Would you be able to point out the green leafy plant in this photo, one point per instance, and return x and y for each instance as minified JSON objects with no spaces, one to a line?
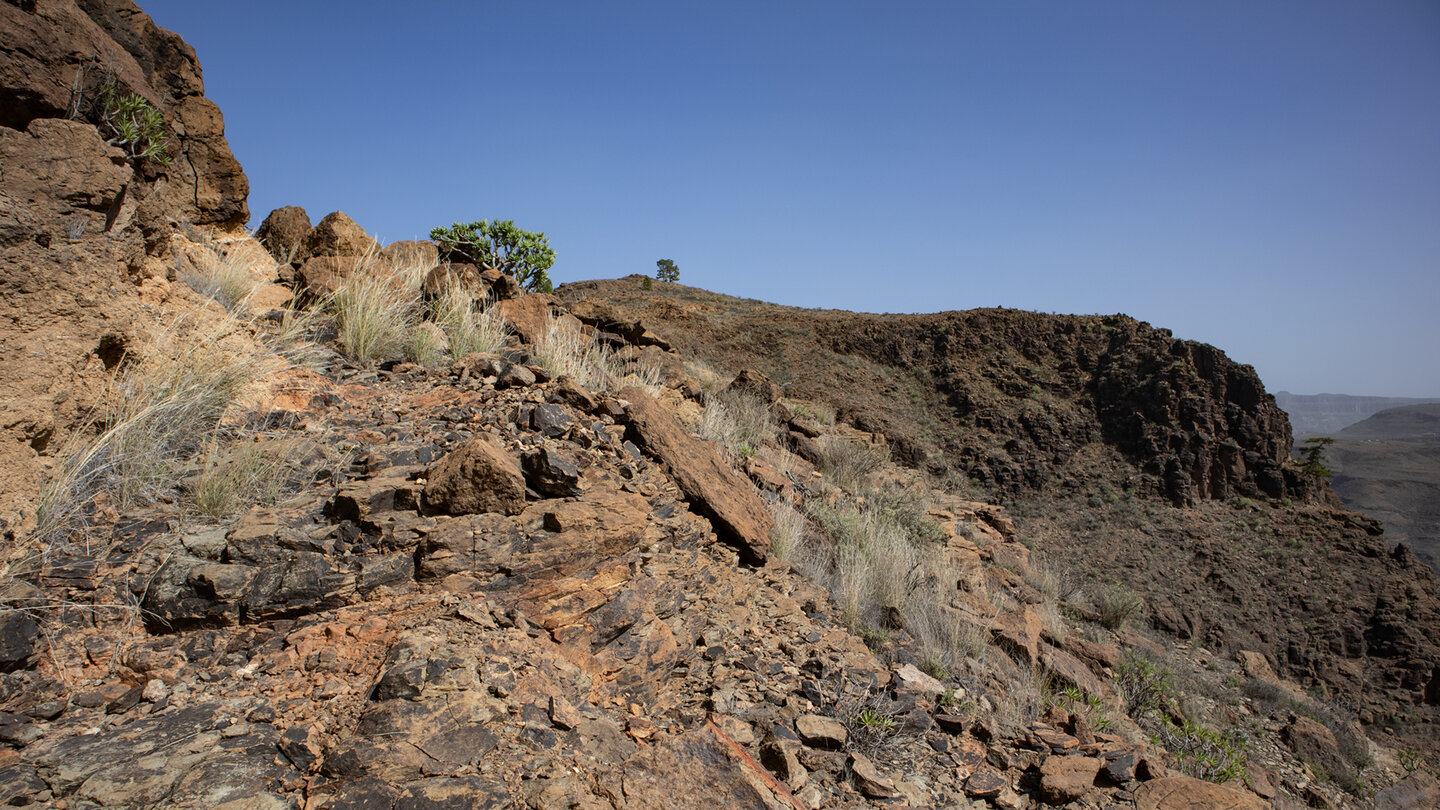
{"x":870,"y":718}
{"x":1144,"y":687}
{"x":130,"y":122}
{"x":1312,"y":457}
{"x":499,"y":245}
{"x":1205,"y":753}
{"x":667,"y":270}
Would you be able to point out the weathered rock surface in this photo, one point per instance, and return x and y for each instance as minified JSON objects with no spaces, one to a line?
{"x":721,"y":495}
{"x":283,"y":232}
{"x":477,"y":476}
{"x":1184,"y":793}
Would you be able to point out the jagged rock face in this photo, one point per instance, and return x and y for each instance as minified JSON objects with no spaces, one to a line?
{"x":50,"y":46}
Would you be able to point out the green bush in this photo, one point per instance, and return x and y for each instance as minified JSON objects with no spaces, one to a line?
{"x":499,"y":245}
{"x":130,"y":122}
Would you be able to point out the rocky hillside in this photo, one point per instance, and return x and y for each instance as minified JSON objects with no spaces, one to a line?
{"x":1323,"y":414}
{"x":304,"y":521}
{"x":87,"y":228}
{"x":1388,"y":466}
{"x":1003,"y":398}
{"x":1143,"y":462}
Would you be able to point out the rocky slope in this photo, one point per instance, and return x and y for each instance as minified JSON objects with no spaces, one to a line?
{"x":1388,"y":466}
{"x":474,"y":582}
{"x":1081,"y":422}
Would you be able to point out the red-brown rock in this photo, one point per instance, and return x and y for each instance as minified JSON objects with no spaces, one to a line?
{"x":283,"y":231}
{"x":1185,"y":793}
{"x":718,"y":492}
{"x":477,"y":476}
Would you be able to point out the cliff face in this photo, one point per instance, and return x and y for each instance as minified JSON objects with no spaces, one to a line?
{"x":1004,"y":397}
{"x":88,"y":232}
{"x":54,"y":56}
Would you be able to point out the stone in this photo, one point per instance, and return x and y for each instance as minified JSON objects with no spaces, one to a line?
{"x":1316,"y":744}
{"x":1063,"y":779}
{"x":411,"y":255}
{"x":985,"y":785}
{"x":868,"y":780}
{"x":338,"y":235}
{"x":1017,"y":632}
{"x":283,"y":231}
{"x":818,"y":731}
{"x":910,"y":677}
{"x":529,"y":314}
{"x":18,"y":633}
{"x":567,"y":391}
{"x":477,"y":476}
{"x":778,"y":754}
{"x":1256,"y":666}
{"x":563,"y":714}
{"x":713,"y":488}
{"x":549,"y":473}
{"x":1418,"y":789}
{"x":1186,"y":793}
{"x":475,"y":544}
{"x":515,"y":376}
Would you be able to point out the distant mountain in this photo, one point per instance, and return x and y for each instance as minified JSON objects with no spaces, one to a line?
{"x":1327,"y":413}
{"x":1388,"y":466}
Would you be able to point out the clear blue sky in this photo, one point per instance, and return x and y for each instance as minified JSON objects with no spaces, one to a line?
{"x":1264,"y":176}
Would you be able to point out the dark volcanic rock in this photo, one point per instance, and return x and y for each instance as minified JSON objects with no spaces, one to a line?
{"x":283,"y":231}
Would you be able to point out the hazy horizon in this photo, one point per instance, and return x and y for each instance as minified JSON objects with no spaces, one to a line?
{"x":1254,"y":176}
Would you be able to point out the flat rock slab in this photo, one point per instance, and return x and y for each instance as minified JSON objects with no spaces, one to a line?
{"x":718,"y":492}
{"x":1185,"y":793}
{"x":1063,"y":779}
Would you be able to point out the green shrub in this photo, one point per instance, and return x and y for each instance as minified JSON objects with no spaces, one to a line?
{"x":1144,"y":687}
{"x":130,"y":122}
{"x":499,"y":245}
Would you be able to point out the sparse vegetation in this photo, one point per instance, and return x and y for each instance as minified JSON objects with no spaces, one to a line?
{"x":565,"y":349}
{"x":788,"y":536}
{"x":227,"y":276}
{"x":375,"y":316}
{"x":132,"y":123}
{"x":248,"y":474}
{"x":850,"y":463}
{"x":738,"y":420}
{"x":1116,"y":606}
{"x":1312,"y":457}
{"x":469,"y":325}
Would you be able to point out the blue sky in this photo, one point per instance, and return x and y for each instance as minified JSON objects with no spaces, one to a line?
{"x":1261,"y":176}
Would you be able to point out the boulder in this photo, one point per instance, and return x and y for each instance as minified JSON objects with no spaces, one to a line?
{"x":283,"y":231}
{"x":337,"y":235}
{"x":1418,"y":789}
{"x":18,"y":633}
{"x":1186,"y":793}
{"x":719,"y":493}
{"x":479,"y":475}
{"x":529,"y":314}
{"x":819,"y":731}
{"x":1316,"y":744}
{"x":868,"y":780}
{"x":1063,"y":779}
{"x":483,"y":284}
{"x":66,"y":165}
{"x":1017,"y":632}
{"x":416,"y":255}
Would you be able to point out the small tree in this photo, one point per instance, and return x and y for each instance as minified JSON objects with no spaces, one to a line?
{"x":499,"y":245}
{"x":667,"y":270}
{"x":1312,"y":457}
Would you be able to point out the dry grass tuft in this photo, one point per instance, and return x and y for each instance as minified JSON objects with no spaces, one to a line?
{"x":375,"y":316}
{"x":228,"y":276}
{"x":789,"y":534}
{"x":469,"y":325}
{"x":850,"y":463}
{"x":741,"y":422}
{"x":565,"y":349}
{"x":248,"y":474}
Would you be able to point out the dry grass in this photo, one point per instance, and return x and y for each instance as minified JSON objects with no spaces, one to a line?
{"x":741,"y":422}
{"x":154,"y":413}
{"x":248,"y":474}
{"x":469,"y":325}
{"x":230,"y":275}
{"x":1116,"y":606}
{"x":375,"y":315}
{"x":565,"y":349}
{"x":789,"y":534}
{"x":850,"y":463}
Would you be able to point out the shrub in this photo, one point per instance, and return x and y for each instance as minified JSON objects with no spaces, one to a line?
{"x":1144,"y":687}
{"x":130,"y":122}
{"x":499,"y":245}
{"x":1204,"y":753}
